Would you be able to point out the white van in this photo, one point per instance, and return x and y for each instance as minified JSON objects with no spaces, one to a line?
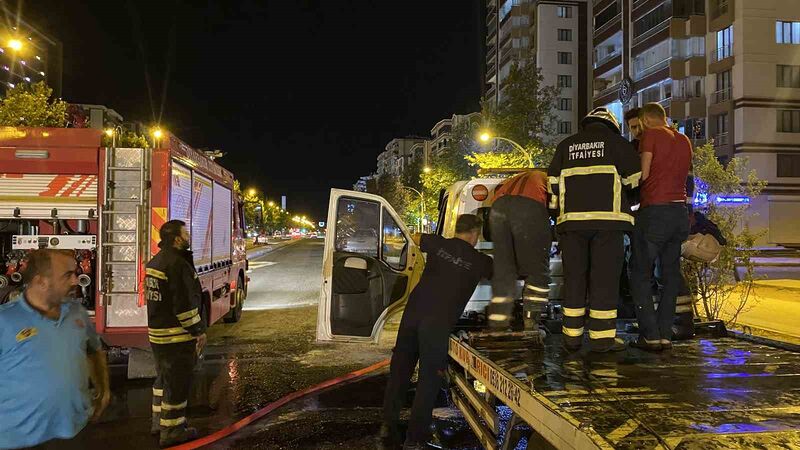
{"x":363,"y":286}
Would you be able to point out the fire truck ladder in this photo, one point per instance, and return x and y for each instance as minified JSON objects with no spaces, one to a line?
{"x":124,"y":234}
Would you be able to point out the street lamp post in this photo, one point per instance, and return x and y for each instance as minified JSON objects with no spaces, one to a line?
{"x":421,"y":206}
{"x":485,"y":137}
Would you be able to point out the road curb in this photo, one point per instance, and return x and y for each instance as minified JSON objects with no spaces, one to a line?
{"x":261,"y":251}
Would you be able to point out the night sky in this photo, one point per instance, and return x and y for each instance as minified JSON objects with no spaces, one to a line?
{"x":302,"y":95}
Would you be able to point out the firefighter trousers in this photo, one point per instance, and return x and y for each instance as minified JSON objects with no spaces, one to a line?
{"x":520,"y":229}
{"x":174,"y":365}
{"x":592,"y":263}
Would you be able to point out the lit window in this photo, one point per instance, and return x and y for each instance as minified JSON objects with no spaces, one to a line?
{"x":787,"y":32}
{"x":724,"y":43}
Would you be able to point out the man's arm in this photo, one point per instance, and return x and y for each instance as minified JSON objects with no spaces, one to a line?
{"x":98,"y":368}
{"x":553,"y":175}
{"x":629,"y":165}
{"x":647,"y":160}
{"x":186,"y":302}
{"x":98,"y":373}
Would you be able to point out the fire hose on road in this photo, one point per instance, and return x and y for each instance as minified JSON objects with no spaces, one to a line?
{"x":238,"y":425}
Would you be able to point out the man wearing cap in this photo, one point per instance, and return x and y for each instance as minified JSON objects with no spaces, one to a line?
{"x":587,"y":177}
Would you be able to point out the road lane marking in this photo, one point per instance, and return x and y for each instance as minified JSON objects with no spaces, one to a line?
{"x":254,"y":265}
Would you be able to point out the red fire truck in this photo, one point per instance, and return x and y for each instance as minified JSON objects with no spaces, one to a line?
{"x":60,"y":189}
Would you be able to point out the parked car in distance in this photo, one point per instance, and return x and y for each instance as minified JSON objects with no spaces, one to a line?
{"x":277,"y":234}
{"x":261,"y":238}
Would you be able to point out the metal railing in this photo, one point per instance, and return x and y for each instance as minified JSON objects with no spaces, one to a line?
{"x":721,"y":139}
{"x":608,"y":58}
{"x":722,"y":52}
{"x":722,"y":95}
{"x":638,"y":75}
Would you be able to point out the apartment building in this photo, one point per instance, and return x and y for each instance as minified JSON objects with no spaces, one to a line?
{"x":726,"y":70}
{"x":397,"y":155}
{"x":556,"y":34}
{"x":442,"y":132}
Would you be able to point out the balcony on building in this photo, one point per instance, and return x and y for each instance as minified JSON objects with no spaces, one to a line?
{"x":652,"y":60}
{"x":688,"y":57}
{"x":608,"y":82}
{"x":688,"y":97}
{"x":608,"y":51}
{"x":607,"y":18}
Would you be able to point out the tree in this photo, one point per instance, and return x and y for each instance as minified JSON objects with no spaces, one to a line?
{"x":31,"y":105}
{"x":525,"y":113}
{"x":391,"y":188}
{"x":126,"y":139}
{"x":715,"y":284}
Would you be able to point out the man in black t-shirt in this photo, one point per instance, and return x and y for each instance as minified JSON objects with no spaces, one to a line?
{"x":453,"y":269}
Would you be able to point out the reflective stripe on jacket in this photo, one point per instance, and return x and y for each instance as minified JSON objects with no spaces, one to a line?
{"x":173,"y":294}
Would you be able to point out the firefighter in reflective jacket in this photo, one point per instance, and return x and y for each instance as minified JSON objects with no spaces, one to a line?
{"x":587,"y":177}
{"x":176,"y":330}
{"x":520,"y":227}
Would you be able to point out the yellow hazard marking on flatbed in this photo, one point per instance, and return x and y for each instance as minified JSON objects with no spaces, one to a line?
{"x":622,"y":431}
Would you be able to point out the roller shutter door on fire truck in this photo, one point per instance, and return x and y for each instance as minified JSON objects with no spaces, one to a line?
{"x":36,"y":195}
{"x":202,"y":202}
{"x":221,"y":248}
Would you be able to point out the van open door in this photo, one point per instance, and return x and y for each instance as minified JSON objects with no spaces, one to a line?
{"x":369,"y":267}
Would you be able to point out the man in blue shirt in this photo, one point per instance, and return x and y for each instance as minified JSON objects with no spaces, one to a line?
{"x":48,"y":352}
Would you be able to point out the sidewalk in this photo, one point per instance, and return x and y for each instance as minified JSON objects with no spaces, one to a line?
{"x":772,"y":310}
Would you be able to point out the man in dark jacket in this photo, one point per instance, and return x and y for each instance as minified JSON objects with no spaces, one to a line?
{"x":587,"y":177}
{"x":453,"y":269}
{"x":176,"y":330}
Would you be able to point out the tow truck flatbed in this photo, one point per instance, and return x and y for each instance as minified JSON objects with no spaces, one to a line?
{"x":706,"y":393}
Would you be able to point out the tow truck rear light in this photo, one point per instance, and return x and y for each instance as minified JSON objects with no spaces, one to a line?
{"x":480,"y":192}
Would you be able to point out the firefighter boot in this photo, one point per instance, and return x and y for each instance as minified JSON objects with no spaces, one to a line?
{"x":500,"y":311}
{"x":176,"y":435}
{"x":532,"y":314}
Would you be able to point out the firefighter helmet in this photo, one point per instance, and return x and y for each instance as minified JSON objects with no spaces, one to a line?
{"x":604,"y":116}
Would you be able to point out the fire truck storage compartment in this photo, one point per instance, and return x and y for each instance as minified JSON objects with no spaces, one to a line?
{"x":205,"y":206}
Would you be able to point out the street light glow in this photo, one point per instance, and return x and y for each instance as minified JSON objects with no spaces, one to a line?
{"x":485,"y":137}
{"x":15,"y":44}
{"x":426,"y":169}
{"x":109,"y":132}
{"x":157,"y":133}
{"x":251,"y":191}
{"x":271,"y":203}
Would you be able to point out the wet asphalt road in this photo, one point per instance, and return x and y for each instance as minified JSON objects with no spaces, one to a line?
{"x":270,"y":353}
{"x":288,"y":277}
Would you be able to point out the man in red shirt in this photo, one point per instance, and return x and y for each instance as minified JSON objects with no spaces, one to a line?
{"x":661,"y":225}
